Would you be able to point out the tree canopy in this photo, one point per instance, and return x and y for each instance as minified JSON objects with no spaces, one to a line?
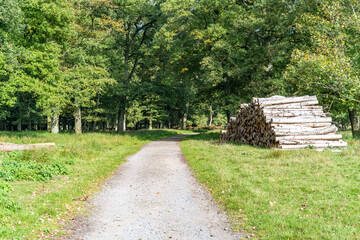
{"x":115,"y":65}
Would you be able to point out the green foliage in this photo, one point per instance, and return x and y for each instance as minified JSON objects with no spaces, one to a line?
{"x":6,"y":202}
{"x":30,"y":165}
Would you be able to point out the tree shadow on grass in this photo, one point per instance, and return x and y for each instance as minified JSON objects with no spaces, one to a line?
{"x":33,"y":134}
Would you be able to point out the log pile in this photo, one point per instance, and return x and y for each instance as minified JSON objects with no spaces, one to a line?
{"x":9,"y":147}
{"x":283,"y":122}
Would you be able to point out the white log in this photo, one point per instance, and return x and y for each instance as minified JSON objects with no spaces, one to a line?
{"x":332,"y":144}
{"x":294,"y":114}
{"x":306,"y":142}
{"x":302,"y":120}
{"x":24,"y":147}
{"x":312,"y":131}
{"x":294,"y":107}
{"x":289,"y":125}
{"x":289,"y":100}
{"x":311,"y":137}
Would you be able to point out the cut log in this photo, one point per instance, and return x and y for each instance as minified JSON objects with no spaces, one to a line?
{"x":311,"y":137}
{"x":289,"y":125}
{"x":24,"y":147}
{"x":306,"y":142}
{"x":320,"y":145}
{"x":295,"y":107}
{"x":302,"y":120}
{"x":280,"y":101}
{"x":311,"y":131}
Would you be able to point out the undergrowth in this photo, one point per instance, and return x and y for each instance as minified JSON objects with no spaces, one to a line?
{"x":30,"y":165}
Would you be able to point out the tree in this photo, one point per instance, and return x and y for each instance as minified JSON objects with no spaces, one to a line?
{"x":325,"y":65}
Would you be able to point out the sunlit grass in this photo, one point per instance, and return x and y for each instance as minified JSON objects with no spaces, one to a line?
{"x":282,"y":194}
{"x":47,"y":206}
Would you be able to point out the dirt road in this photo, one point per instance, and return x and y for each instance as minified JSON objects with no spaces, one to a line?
{"x":154,"y":196}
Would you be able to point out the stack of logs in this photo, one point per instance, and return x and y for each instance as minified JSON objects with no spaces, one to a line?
{"x":285,"y":123}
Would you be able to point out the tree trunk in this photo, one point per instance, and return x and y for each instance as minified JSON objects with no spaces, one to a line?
{"x":48,"y":123}
{"x":355,"y":123}
{"x":150,"y":124}
{"x":29,"y":119}
{"x":184,"y":123}
{"x":54,"y":124}
{"x":122,"y":119}
{"x":77,"y":115}
{"x":228,"y":115}
{"x":211,"y":116}
{"x":19,"y":125}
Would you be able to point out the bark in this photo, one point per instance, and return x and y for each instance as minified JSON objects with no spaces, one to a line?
{"x":211,"y":116}
{"x":185,"y":116}
{"x":122,"y":119}
{"x":355,"y":122}
{"x":19,"y":124}
{"x":54,"y":123}
{"x":29,"y":119}
{"x":150,"y":124}
{"x":77,"y":116}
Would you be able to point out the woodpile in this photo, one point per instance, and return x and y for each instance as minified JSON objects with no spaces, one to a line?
{"x":9,"y":147}
{"x":283,"y":122}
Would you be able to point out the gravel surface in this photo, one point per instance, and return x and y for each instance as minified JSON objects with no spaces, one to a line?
{"x":154,"y":196}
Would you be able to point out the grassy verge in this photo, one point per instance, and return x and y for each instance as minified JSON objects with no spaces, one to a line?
{"x":282,"y":194}
{"x":41,"y":190}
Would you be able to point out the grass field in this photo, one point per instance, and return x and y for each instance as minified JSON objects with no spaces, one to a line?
{"x":281,"y":194}
{"x":41,"y":190}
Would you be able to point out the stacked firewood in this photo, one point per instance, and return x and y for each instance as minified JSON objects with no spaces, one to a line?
{"x":283,"y":122}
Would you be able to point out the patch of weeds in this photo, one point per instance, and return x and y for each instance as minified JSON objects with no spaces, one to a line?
{"x":30,"y":165}
{"x":6,"y":203}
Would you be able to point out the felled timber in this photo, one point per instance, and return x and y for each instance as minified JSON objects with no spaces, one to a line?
{"x":284,"y":123}
{"x":9,"y":147}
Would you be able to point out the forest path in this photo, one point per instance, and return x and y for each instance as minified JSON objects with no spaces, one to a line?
{"x":155,"y":196}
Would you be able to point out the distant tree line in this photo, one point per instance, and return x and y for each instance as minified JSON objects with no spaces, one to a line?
{"x":87,"y":65}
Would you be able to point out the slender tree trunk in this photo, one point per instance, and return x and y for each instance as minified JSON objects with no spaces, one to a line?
{"x":48,"y":123}
{"x":211,"y":116}
{"x":228,"y":115}
{"x":150,"y":124}
{"x":355,"y":122}
{"x":122,"y":119}
{"x":54,"y":124}
{"x":19,"y":124}
{"x":184,"y":123}
{"x":29,"y":118}
{"x":77,"y":116}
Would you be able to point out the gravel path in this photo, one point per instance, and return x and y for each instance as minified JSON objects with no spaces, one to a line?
{"x":154,"y":196}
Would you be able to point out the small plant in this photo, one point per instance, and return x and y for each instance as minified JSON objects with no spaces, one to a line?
{"x":30,"y":165}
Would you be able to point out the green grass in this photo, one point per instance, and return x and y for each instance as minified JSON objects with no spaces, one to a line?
{"x":41,"y":191}
{"x":273,"y":194}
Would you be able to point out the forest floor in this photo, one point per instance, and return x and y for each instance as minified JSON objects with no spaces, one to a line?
{"x":154,"y":196}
